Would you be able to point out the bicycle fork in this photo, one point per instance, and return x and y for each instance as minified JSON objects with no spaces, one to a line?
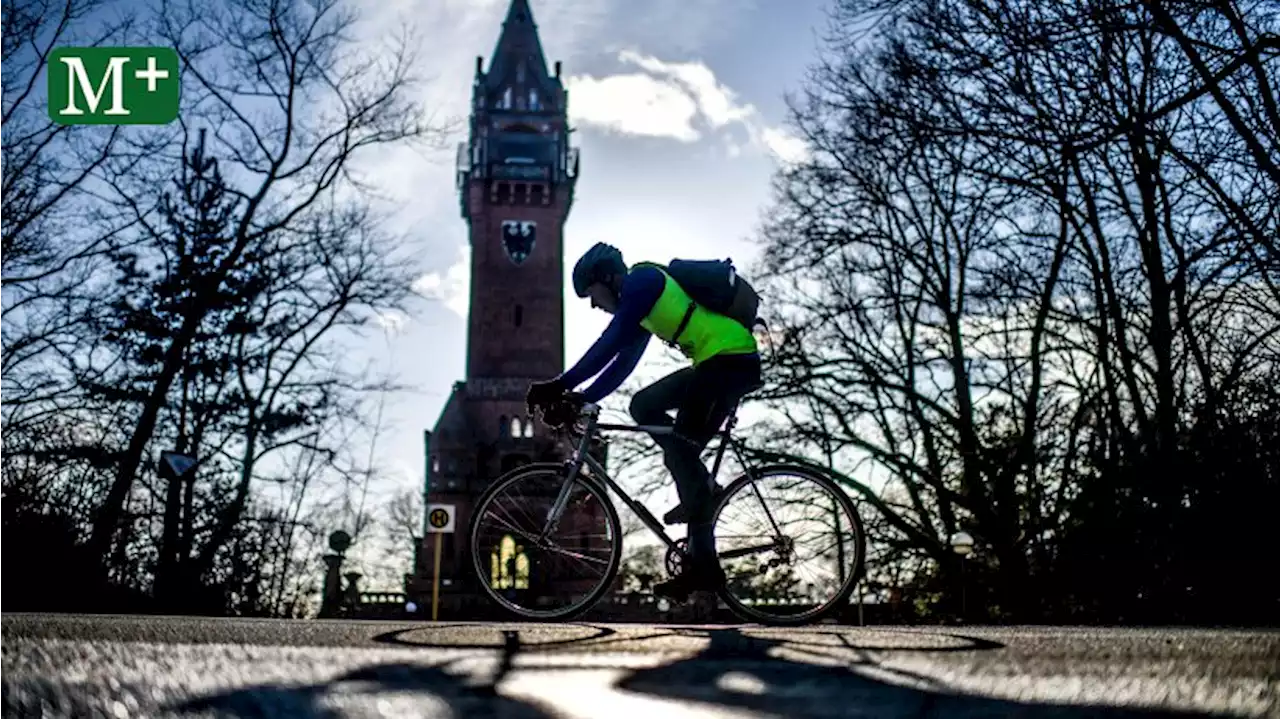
{"x":562,"y":500}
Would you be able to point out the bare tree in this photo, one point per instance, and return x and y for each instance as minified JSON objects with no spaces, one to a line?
{"x":290,"y":101}
{"x":1024,"y":264}
{"x":55,"y":234}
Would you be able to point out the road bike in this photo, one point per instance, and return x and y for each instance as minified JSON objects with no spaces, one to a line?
{"x":814,"y":529}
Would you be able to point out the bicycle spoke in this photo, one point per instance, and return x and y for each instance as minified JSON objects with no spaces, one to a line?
{"x":524,"y":534}
{"x":542,"y":569}
{"x":573,"y":555}
{"x":792,"y":558}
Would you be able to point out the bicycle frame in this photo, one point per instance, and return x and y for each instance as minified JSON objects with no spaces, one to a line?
{"x":599,"y":475}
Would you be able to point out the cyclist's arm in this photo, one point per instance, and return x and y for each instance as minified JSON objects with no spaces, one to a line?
{"x":618,"y":370}
{"x":640,"y":291}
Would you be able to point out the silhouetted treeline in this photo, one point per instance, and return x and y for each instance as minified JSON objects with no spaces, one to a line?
{"x":1026,"y":285}
{"x":195,"y":287}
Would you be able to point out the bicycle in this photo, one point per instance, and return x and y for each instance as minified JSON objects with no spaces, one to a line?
{"x":577,"y":492}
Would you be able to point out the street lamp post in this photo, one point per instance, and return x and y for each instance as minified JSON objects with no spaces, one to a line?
{"x":962,"y":544}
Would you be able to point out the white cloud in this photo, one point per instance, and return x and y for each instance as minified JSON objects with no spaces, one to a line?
{"x":715,"y":100}
{"x":633,"y":104}
{"x":786,"y":146}
{"x":452,"y":287}
{"x":675,"y":100}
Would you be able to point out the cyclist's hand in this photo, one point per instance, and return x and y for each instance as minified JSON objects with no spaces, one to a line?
{"x":543,"y":394}
{"x":564,"y":412}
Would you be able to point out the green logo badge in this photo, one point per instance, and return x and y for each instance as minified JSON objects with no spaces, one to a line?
{"x":113,"y":85}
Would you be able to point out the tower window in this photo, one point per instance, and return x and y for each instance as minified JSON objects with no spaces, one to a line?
{"x":501,"y":193}
{"x":528,"y":426}
{"x":506,"y":99}
{"x":519,"y":315}
{"x":515,"y":427}
{"x":520,"y":71}
{"x":508,"y":565}
{"x":533,"y":100}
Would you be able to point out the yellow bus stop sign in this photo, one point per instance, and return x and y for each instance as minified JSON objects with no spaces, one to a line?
{"x":440,"y":520}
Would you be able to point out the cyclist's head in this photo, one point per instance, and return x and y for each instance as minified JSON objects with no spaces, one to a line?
{"x":598,"y":274}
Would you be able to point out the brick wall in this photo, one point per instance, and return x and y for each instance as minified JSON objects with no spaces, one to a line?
{"x":500,"y":343}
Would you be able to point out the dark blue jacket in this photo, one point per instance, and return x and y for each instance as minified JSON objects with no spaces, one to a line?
{"x":623,"y":341}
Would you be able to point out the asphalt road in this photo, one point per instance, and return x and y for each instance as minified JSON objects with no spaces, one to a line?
{"x":87,"y":666}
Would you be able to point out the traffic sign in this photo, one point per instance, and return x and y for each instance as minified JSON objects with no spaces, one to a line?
{"x":441,"y":518}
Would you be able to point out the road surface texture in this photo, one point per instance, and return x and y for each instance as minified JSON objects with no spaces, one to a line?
{"x":116,"y":667}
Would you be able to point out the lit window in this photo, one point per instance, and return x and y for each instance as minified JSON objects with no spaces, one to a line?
{"x":515,"y":426}
{"x":533,"y":100}
{"x":508,"y":566}
{"x":506,"y":99}
{"x":528,"y":427}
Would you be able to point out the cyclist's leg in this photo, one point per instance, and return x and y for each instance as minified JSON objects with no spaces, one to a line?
{"x":718,"y":384}
{"x":652,"y":404}
{"x":716,"y":387}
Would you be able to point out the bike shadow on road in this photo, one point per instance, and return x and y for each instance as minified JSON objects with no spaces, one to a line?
{"x":396,"y":689}
{"x":739,"y":671}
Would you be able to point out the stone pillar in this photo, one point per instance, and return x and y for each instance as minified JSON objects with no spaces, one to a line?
{"x":331,"y":599}
{"x":351,"y":598}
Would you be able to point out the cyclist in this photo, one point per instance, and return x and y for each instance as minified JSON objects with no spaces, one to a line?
{"x":644,"y":300}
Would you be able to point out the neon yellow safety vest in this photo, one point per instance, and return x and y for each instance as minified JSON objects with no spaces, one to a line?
{"x":706,"y":335}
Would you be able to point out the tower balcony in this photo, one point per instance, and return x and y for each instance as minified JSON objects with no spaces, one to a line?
{"x":519,"y":171}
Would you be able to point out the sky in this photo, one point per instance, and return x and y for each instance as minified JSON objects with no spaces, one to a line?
{"x":680,"y":116}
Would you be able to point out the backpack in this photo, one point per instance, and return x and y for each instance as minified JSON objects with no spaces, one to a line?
{"x":715,"y":284}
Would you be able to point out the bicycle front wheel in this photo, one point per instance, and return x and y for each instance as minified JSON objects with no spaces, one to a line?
{"x":791,"y":545}
{"x":542,"y":572}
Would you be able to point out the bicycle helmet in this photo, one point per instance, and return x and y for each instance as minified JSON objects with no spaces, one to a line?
{"x":599,"y":262}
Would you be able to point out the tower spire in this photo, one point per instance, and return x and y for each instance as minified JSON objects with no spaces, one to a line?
{"x":518,"y":42}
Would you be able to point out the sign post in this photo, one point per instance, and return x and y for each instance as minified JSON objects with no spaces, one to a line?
{"x":440,"y":520}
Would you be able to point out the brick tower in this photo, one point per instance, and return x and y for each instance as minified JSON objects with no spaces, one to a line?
{"x":515,"y":179}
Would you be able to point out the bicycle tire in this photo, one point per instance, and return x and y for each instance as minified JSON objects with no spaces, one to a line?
{"x":741,"y":610}
{"x":479,"y":563}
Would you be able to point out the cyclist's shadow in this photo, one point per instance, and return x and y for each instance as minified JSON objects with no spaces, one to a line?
{"x":739,"y":672}
{"x":398,"y":689}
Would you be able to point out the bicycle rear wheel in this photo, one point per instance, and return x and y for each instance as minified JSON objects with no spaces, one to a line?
{"x":791,"y":545}
{"x":556,"y":576}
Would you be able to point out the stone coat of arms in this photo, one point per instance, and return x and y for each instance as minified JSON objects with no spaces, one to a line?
{"x":517,"y":239}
